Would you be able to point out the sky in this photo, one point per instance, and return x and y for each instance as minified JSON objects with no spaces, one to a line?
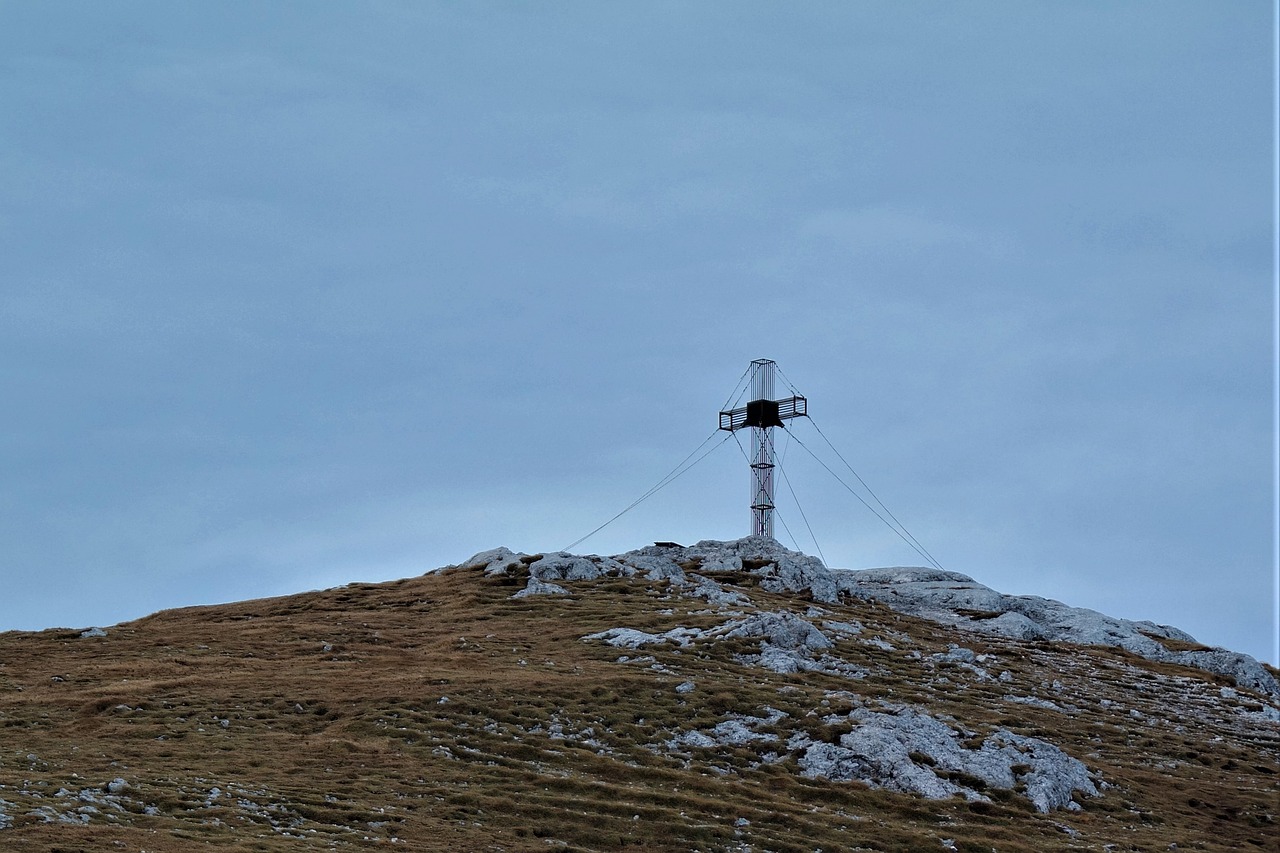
{"x":305,"y":293}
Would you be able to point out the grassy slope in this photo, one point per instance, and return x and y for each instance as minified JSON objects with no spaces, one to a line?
{"x":424,"y":711}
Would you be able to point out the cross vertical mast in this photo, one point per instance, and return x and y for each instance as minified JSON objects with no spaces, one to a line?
{"x":762,"y":414}
{"x":761,"y":454}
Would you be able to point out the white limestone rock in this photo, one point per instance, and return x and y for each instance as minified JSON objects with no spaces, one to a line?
{"x":779,"y":568}
{"x":1013,"y":625}
{"x":780,"y":628}
{"x":788,"y":643}
{"x":626,"y":638}
{"x":722,"y":563}
{"x":495,"y":561}
{"x":630,"y":638}
{"x":842,"y":629}
{"x":799,"y":575}
{"x":957,"y":654}
{"x":882,"y":747}
{"x":920,"y":589}
{"x":537,"y":587}
{"x":1035,"y":702}
{"x":1244,"y":669}
{"x":1267,"y":713}
{"x":737,"y":730}
{"x":1054,"y":775}
{"x":655,"y":563}
{"x":715,"y":594}
{"x":788,"y":661}
{"x":560,"y":566}
{"x":694,"y":738}
{"x":956,"y":599}
{"x":737,"y":733}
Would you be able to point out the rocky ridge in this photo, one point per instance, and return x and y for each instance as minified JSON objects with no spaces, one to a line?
{"x":958,"y":600}
{"x":950,"y":598}
{"x":894,"y":746}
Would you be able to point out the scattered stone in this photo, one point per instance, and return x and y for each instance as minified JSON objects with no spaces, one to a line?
{"x":1269,"y":713}
{"x":93,"y":632}
{"x":735,"y":731}
{"x":958,"y":654}
{"x":539,"y":587}
{"x":713,"y":593}
{"x":844,"y":629}
{"x":630,"y":638}
{"x":1035,"y":702}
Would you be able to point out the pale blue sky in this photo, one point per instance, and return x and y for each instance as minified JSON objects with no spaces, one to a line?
{"x":295,"y":294}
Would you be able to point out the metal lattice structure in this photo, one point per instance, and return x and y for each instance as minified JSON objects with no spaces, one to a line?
{"x":761,"y":415}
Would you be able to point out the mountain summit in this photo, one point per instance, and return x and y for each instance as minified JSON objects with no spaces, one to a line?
{"x":720,"y":696}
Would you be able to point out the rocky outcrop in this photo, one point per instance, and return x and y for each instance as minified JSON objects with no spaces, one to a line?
{"x":569,"y":567}
{"x":909,"y":750}
{"x":495,"y":561}
{"x":958,"y":600}
{"x":715,"y":594}
{"x":780,"y":628}
{"x":780,"y":569}
{"x":656,"y":563}
{"x":788,"y":645}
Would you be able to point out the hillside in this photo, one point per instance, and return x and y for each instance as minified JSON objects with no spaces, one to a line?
{"x":724,"y":696}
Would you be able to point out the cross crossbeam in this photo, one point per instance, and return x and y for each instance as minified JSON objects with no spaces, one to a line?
{"x":764,"y":413}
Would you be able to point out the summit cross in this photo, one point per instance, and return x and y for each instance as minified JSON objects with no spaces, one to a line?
{"x":762,"y":414}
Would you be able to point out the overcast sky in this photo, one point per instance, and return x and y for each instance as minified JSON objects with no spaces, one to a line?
{"x":297,"y":294}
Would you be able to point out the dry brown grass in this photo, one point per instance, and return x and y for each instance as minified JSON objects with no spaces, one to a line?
{"x":426,"y":711}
